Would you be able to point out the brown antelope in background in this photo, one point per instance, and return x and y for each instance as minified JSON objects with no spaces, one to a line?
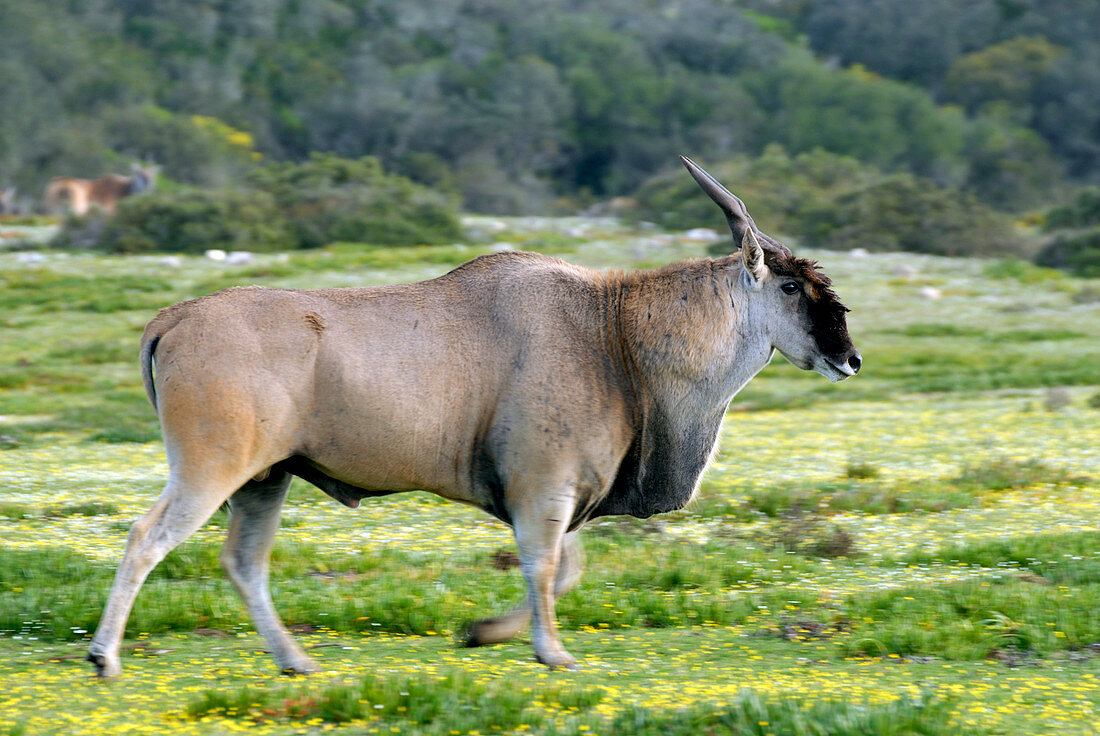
{"x":80,"y":195}
{"x":7,"y":201}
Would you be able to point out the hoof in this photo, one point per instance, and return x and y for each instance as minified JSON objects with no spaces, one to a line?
{"x":469,"y":635}
{"x":305,"y":666}
{"x":105,"y":666}
{"x":560,"y":660}
{"x":495,"y":630}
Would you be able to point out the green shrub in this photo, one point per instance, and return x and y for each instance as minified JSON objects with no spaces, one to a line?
{"x":1022,"y":271}
{"x":832,"y":201}
{"x":1075,"y":252}
{"x":328,"y":199}
{"x":193,"y":220}
{"x":779,"y":190}
{"x":288,"y":205}
{"x":905,"y":213}
{"x":192,"y":149}
{"x":1082,"y":212}
{"x":1076,"y":248}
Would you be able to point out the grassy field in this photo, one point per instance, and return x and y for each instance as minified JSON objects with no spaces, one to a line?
{"x":916,"y":551}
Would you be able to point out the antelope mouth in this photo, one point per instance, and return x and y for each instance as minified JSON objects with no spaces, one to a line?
{"x":837,"y":371}
{"x":833,"y":370}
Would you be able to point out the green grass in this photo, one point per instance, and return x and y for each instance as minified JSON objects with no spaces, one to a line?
{"x":456,"y":703}
{"x":939,"y":329}
{"x":1058,"y":559}
{"x":875,"y":556}
{"x":14,"y":510}
{"x":1005,"y":474}
{"x":754,"y":685}
{"x":967,"y":621}
{"x":399,"y":592}
{"x":396,"y":590}
{"x":752,"y":715}
{"x":73,"y":370}
{"x":453,"y":702}
{"x":861,"y":489}
{"x":1022,"y":271}
{"x":42,"y":290}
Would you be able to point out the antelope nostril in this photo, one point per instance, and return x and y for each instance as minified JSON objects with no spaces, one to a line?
{"x":855,"y":362}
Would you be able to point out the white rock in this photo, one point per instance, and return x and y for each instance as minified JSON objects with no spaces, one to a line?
{"x":498,"y":247}
{"x":238,"y":257}
{"x":215,"y":254}
{"x":494,"y":226}
{"x":930,"y":292}
{"x":29,"y":257}
{"x":702,"y":234}
{"x":904,"y":270}
{"x":171,"y":261}
{"x":859,"y":253}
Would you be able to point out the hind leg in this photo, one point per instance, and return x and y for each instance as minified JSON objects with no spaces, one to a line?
{"x":253,"y":521}
{"x":180,"y":510}
{"x":499,"y":629}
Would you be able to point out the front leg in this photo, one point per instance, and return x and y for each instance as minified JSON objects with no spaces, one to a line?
{"x":540,"y":521}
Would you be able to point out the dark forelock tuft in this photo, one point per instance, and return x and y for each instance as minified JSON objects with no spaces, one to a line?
{"x":819,"y":285}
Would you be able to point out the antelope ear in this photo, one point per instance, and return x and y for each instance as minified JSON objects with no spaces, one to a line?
{"x":732,"y":207}
{"x":752,"y":255}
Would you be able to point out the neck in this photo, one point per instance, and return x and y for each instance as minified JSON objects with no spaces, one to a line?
{"x":684,"y":347}
{"x":687,"y":331}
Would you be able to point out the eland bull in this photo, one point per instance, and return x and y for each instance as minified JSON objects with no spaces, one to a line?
{"x":544,"y":393}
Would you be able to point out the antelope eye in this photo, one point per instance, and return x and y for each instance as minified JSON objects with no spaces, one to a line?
{"x":790,"y":287}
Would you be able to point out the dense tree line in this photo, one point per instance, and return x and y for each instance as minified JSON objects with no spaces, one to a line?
{"x":516,"y":104}
{"x":1036,"y":62}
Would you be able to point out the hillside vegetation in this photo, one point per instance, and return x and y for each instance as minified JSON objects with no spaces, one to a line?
{"x":524,"y":106}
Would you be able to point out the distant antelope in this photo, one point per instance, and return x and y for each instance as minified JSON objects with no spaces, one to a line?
{"x":104,"y":192}
{"x":7,"y":201}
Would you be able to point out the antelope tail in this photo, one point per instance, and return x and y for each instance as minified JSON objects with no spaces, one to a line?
{"x":147,"y":349}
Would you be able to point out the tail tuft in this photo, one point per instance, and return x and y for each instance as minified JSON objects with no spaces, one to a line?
{"x":147,"y":350}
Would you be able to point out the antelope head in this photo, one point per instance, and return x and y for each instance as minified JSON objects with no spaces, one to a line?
{"x":786,"y":298}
